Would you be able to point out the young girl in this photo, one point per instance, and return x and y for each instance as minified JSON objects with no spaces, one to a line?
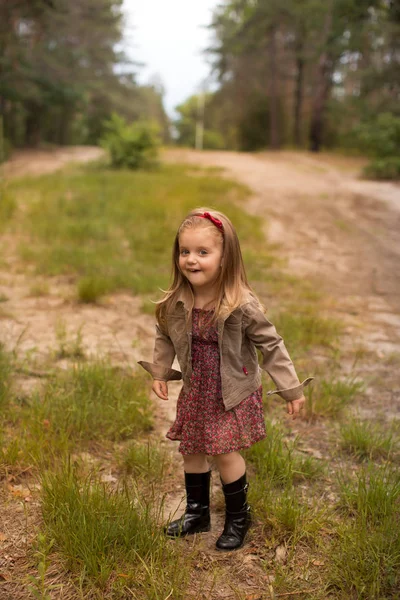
{"x":213,"y":322}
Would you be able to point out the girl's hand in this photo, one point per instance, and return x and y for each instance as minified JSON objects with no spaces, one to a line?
{"x":160,"y":388}
{"x":294,"y":407}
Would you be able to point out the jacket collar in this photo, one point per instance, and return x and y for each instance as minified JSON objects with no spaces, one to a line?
{"x":185,"y":297}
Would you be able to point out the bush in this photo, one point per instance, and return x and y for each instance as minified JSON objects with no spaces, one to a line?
{"x":90,"y":289}
{"x":384,"y":168}
{"x":5,"y":150}
{"x":380,"y":138}
{"x":133,"y":146}
{"x":213,"y":140}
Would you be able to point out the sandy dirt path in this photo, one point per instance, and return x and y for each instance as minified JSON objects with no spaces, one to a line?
{"x":341,"y":231}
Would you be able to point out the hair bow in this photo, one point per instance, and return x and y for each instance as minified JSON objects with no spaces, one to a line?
{"x":216,"y":222}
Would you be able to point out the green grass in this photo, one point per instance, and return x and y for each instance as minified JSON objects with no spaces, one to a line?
{"x":374,"y":496}
{"x":329,"y":395}
{"x":277,"y":462}
{"x":303,"y":328}
{"x":67,"y":347}
{"x":5,"y":377}
{"x":114,"y":230}
{"x":39,"y":289}
{"x":91,"y":289}
{"x":8,"y":205}
{"x":109,"y":536}
{"x":366,"y":440}
{"x":90,"y":402}
{"x":143,"y":460}
{"x":365,"y":560}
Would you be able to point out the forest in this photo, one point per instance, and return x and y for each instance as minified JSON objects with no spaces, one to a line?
{"x":293,"y":73}
{"x":304,"y":74}
{"x":63,"y":71}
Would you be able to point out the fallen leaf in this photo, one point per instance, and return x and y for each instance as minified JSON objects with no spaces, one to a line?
{"x":280,"y":553}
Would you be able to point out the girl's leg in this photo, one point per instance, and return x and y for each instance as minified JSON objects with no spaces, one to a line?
{"x":195,"y":463}
{"x":230,"y":466}
{"x":232,"y":469}
{"x":196,"y":517}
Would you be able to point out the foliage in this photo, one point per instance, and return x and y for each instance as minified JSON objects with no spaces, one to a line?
{"x":315,"y":68}
{"x":186,"y":122}
{"x":63,"y":72}
{"x":133,"y":146}
{"x":380,"y":137}
{"x":384,"y":168}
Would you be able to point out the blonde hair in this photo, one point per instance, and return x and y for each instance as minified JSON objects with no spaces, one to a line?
{"x":232,"y":287}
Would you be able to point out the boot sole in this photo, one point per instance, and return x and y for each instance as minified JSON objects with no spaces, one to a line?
{"x":230,"y":549}
{"x":197,"y":530}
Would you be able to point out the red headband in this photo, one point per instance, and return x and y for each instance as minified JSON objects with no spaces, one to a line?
{"x":216,"y":222}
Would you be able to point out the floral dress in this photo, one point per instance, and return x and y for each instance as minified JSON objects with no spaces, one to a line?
{"x":202,"y":424}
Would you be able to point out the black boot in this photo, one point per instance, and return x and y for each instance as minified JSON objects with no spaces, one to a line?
{"x":237,"y":517}
{"x":196,"y":517}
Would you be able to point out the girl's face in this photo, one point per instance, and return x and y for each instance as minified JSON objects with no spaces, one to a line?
{"x":200,"y":256}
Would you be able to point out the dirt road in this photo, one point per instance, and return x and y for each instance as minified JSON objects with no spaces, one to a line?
{"x":38,"y":162}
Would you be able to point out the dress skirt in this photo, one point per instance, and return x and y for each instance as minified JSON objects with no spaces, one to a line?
{"x":202,"y":424}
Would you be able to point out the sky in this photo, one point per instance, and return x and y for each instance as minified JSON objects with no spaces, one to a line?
{"x":167,"y":35}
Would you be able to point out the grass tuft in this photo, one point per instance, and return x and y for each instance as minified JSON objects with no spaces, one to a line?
{"x":327,"y":397}
{"x":374,"y":496}
{"x":104,"y":532}
{"x":5,"y":377}
{"x":304,"y":330}
{"x":276,"y":460}
{"x":68,"y":348}
{"x":143,"y":460}
{"x":366,"y":440}
{"x":365,"y":562}
{"x":92,"y":402}
{"x":90,"y":289}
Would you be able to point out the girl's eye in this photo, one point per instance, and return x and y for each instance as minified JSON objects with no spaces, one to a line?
{"x":183,"y":252}
{"x":203,"y":252}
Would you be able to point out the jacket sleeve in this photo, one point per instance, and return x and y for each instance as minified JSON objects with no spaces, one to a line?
{"x":163,"y":357}
{"x":276,"y":360}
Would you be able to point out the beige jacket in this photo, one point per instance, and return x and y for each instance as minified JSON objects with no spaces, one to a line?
{"x":244,"y":330}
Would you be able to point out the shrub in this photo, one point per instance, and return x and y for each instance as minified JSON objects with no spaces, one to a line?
{"x":380,"y":137}
{"x":384,"y":168}
{"x":90,"y":289}
{"x":133,"y":146}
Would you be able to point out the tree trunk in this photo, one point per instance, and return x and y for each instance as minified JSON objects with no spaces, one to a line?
{"x":298,"y":92}
{"x":32,"y":126}
{"x":323,"y":87}
{"x":275,"y":139}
